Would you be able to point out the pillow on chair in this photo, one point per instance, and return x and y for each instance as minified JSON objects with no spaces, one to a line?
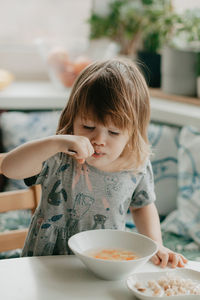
{"x":164,"y":141}
{"x":20,"y":127}
{"x":185,"y":220}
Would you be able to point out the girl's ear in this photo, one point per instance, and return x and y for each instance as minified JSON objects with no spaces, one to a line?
{"x":128,"y":145}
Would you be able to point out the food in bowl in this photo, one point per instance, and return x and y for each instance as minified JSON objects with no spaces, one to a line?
{"x":169,"y":286}
{"x":112,"y":254}
{"x":173,"y":284}
{"x":87,"y":241}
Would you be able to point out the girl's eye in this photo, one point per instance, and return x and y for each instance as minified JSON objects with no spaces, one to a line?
{"x":113,"y":132}
{"x":88,"y":127}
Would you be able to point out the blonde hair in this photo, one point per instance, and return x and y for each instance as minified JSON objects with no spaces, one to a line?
{"x":113,"y":89}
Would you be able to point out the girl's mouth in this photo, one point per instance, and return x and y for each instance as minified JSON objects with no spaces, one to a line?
{"x":98,"y":154}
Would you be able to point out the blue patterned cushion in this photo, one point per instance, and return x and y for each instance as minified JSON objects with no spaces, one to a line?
{"x":185,"y":220}
{"x":164,"y":141}
{"x":20,"y":127}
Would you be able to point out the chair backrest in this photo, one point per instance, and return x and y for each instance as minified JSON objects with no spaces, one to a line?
{"x":16,"y":200}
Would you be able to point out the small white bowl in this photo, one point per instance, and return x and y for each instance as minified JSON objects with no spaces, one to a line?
{"x":143,"y":278}
{"x":90,"y":240}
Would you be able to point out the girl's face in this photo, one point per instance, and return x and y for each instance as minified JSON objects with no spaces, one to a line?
{"x":108,"y":142}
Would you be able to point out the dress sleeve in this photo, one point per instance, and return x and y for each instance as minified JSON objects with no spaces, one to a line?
{"x":31,"y":180}
{"x":144,"y":193}
{"x":39,"y":178}
{"x":48,"y":167}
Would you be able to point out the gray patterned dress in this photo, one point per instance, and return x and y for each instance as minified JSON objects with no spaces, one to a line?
{"x":80,"y":197}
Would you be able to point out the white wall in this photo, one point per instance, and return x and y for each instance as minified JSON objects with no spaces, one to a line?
{"x":23,"y":21}
{"x":181,"y":5}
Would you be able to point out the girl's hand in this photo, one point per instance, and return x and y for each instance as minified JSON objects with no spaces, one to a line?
{"x":77,"y":146}
{"x":165,"y":256}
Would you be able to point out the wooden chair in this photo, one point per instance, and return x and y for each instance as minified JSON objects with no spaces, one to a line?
{"x":17,"y":200}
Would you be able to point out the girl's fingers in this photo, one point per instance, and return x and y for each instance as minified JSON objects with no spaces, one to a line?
{"x":184,"y":259}
{"x":164,"y":257}
{"x":181,"y":264}
{"x":174,"y":258}
{"x":80,"y":148}
{"x":74,"y":153}
{"x":80,"y":155}
{"x":177,"y":260}
{"x":86,"y":152}
{"x":155,"y":259}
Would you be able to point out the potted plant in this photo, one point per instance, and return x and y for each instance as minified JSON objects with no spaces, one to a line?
{"x":138,"y":26}
{"x":156,"y":32}
{"x":122,"y":23}
{"x":179,"y":58}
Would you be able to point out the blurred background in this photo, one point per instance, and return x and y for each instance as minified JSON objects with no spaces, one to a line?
{"x":42,"y":40}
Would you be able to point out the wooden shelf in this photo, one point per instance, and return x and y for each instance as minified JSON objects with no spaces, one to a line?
{"x":157,"y":93}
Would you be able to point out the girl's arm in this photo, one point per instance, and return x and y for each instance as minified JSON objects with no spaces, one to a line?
{"x":26,"y":160}
{"x":147,"y":222}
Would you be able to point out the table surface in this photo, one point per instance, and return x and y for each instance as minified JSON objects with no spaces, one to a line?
{"x":60,"y":278}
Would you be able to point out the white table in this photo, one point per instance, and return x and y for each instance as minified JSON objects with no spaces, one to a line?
{"x":60,"y":278}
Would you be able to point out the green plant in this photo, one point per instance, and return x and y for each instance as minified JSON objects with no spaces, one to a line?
{"x":160,"y":26}
{"x":122,"y":24}
{"x":188,"y":30}
{"x":132,"y":23}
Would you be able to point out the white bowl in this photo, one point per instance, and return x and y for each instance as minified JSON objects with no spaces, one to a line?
{"x":85,"y":241}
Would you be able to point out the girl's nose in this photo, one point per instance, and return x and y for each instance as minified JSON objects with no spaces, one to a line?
{"x":99,"y":139}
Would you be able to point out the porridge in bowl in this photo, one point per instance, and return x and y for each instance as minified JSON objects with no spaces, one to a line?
{"x":112,"y":254}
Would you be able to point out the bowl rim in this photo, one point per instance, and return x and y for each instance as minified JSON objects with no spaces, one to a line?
{"x":108,"y":260}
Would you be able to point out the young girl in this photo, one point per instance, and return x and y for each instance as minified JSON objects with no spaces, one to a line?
{"x":96,"y":166}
